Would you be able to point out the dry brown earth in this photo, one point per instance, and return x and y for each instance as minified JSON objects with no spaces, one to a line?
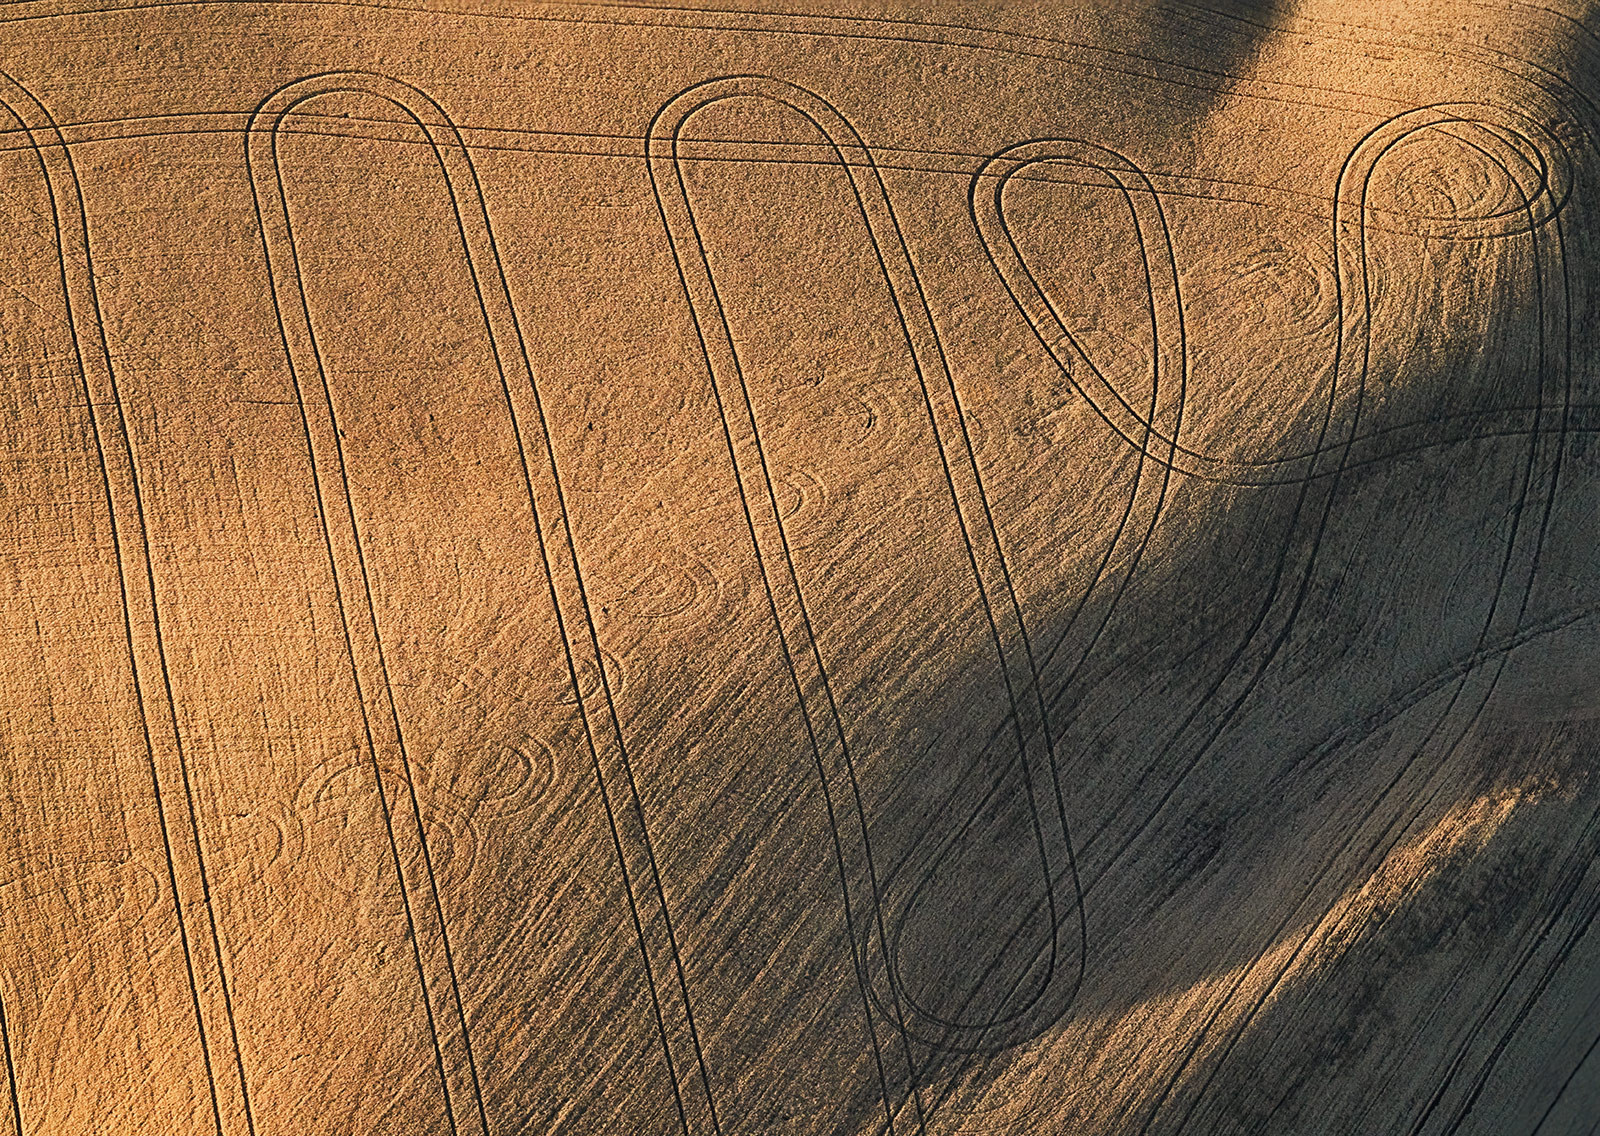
{"x":784,"y":567}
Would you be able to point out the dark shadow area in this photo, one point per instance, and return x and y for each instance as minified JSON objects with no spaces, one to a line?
{"x":1294,"y":670}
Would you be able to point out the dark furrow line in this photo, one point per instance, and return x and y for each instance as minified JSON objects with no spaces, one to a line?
{"x":1549,"y":507}
{"x":11,"y":1071}
{"x":1053,"y":51}
{"x":1200,"y":465}
{"x":1484,"y":635}
{"x":1523,"y":70}
{"x":1136,"y":552}
{"x":1140,"y":545}
{"x":874,"y":191}
{"x":592,"y":632}
{"x":89,"y":138}
{"x":398,"y":94}
{"x":498,"y":286}
{"x":1272,"y":591}
{"x":1535,"y":434}
{"x":1399,"y":706}
{"x":1237,"y":1031}
{"x":333,"y":562}
{"x":977,"y":572}
{"x":96,"y":357}
{"x":1567,"y":369}
{"x":84,"y":132}
{"x":994,"y":213}
{"x":1563,"y":952}
{"x":1566,"y":1084}
{"x":808,"y":646}
{"x":394,"y":714}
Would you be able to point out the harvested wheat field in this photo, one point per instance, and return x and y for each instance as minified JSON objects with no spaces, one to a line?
{"x":766,"y":567}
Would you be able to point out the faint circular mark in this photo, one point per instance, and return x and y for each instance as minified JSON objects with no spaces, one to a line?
{"x":253,"y":843}
{"x":352,"y":846}
{"x":589,"y":678}
{"x":504,"y":779}
{"x":799,"y":491}
{"x":673,"y":585}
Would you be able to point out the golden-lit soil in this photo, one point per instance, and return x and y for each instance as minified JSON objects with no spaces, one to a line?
{"x":798,"y":568}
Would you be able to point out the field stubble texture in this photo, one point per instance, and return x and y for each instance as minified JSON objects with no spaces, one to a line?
{"x":798,"y":568}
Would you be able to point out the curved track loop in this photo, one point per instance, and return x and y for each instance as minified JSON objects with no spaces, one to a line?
{"x":1536,"y":169}
{"x":1153,"y":430}
{"x":1515,"y":144}
{"x":455,"y":1064}
{"x":860,"y":874}
{"x":205,"y":957}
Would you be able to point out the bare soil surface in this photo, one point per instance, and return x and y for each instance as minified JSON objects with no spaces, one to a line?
{"x":799,"y":568}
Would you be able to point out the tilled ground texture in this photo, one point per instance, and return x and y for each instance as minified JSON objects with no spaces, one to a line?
{"x":764,"y":567}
